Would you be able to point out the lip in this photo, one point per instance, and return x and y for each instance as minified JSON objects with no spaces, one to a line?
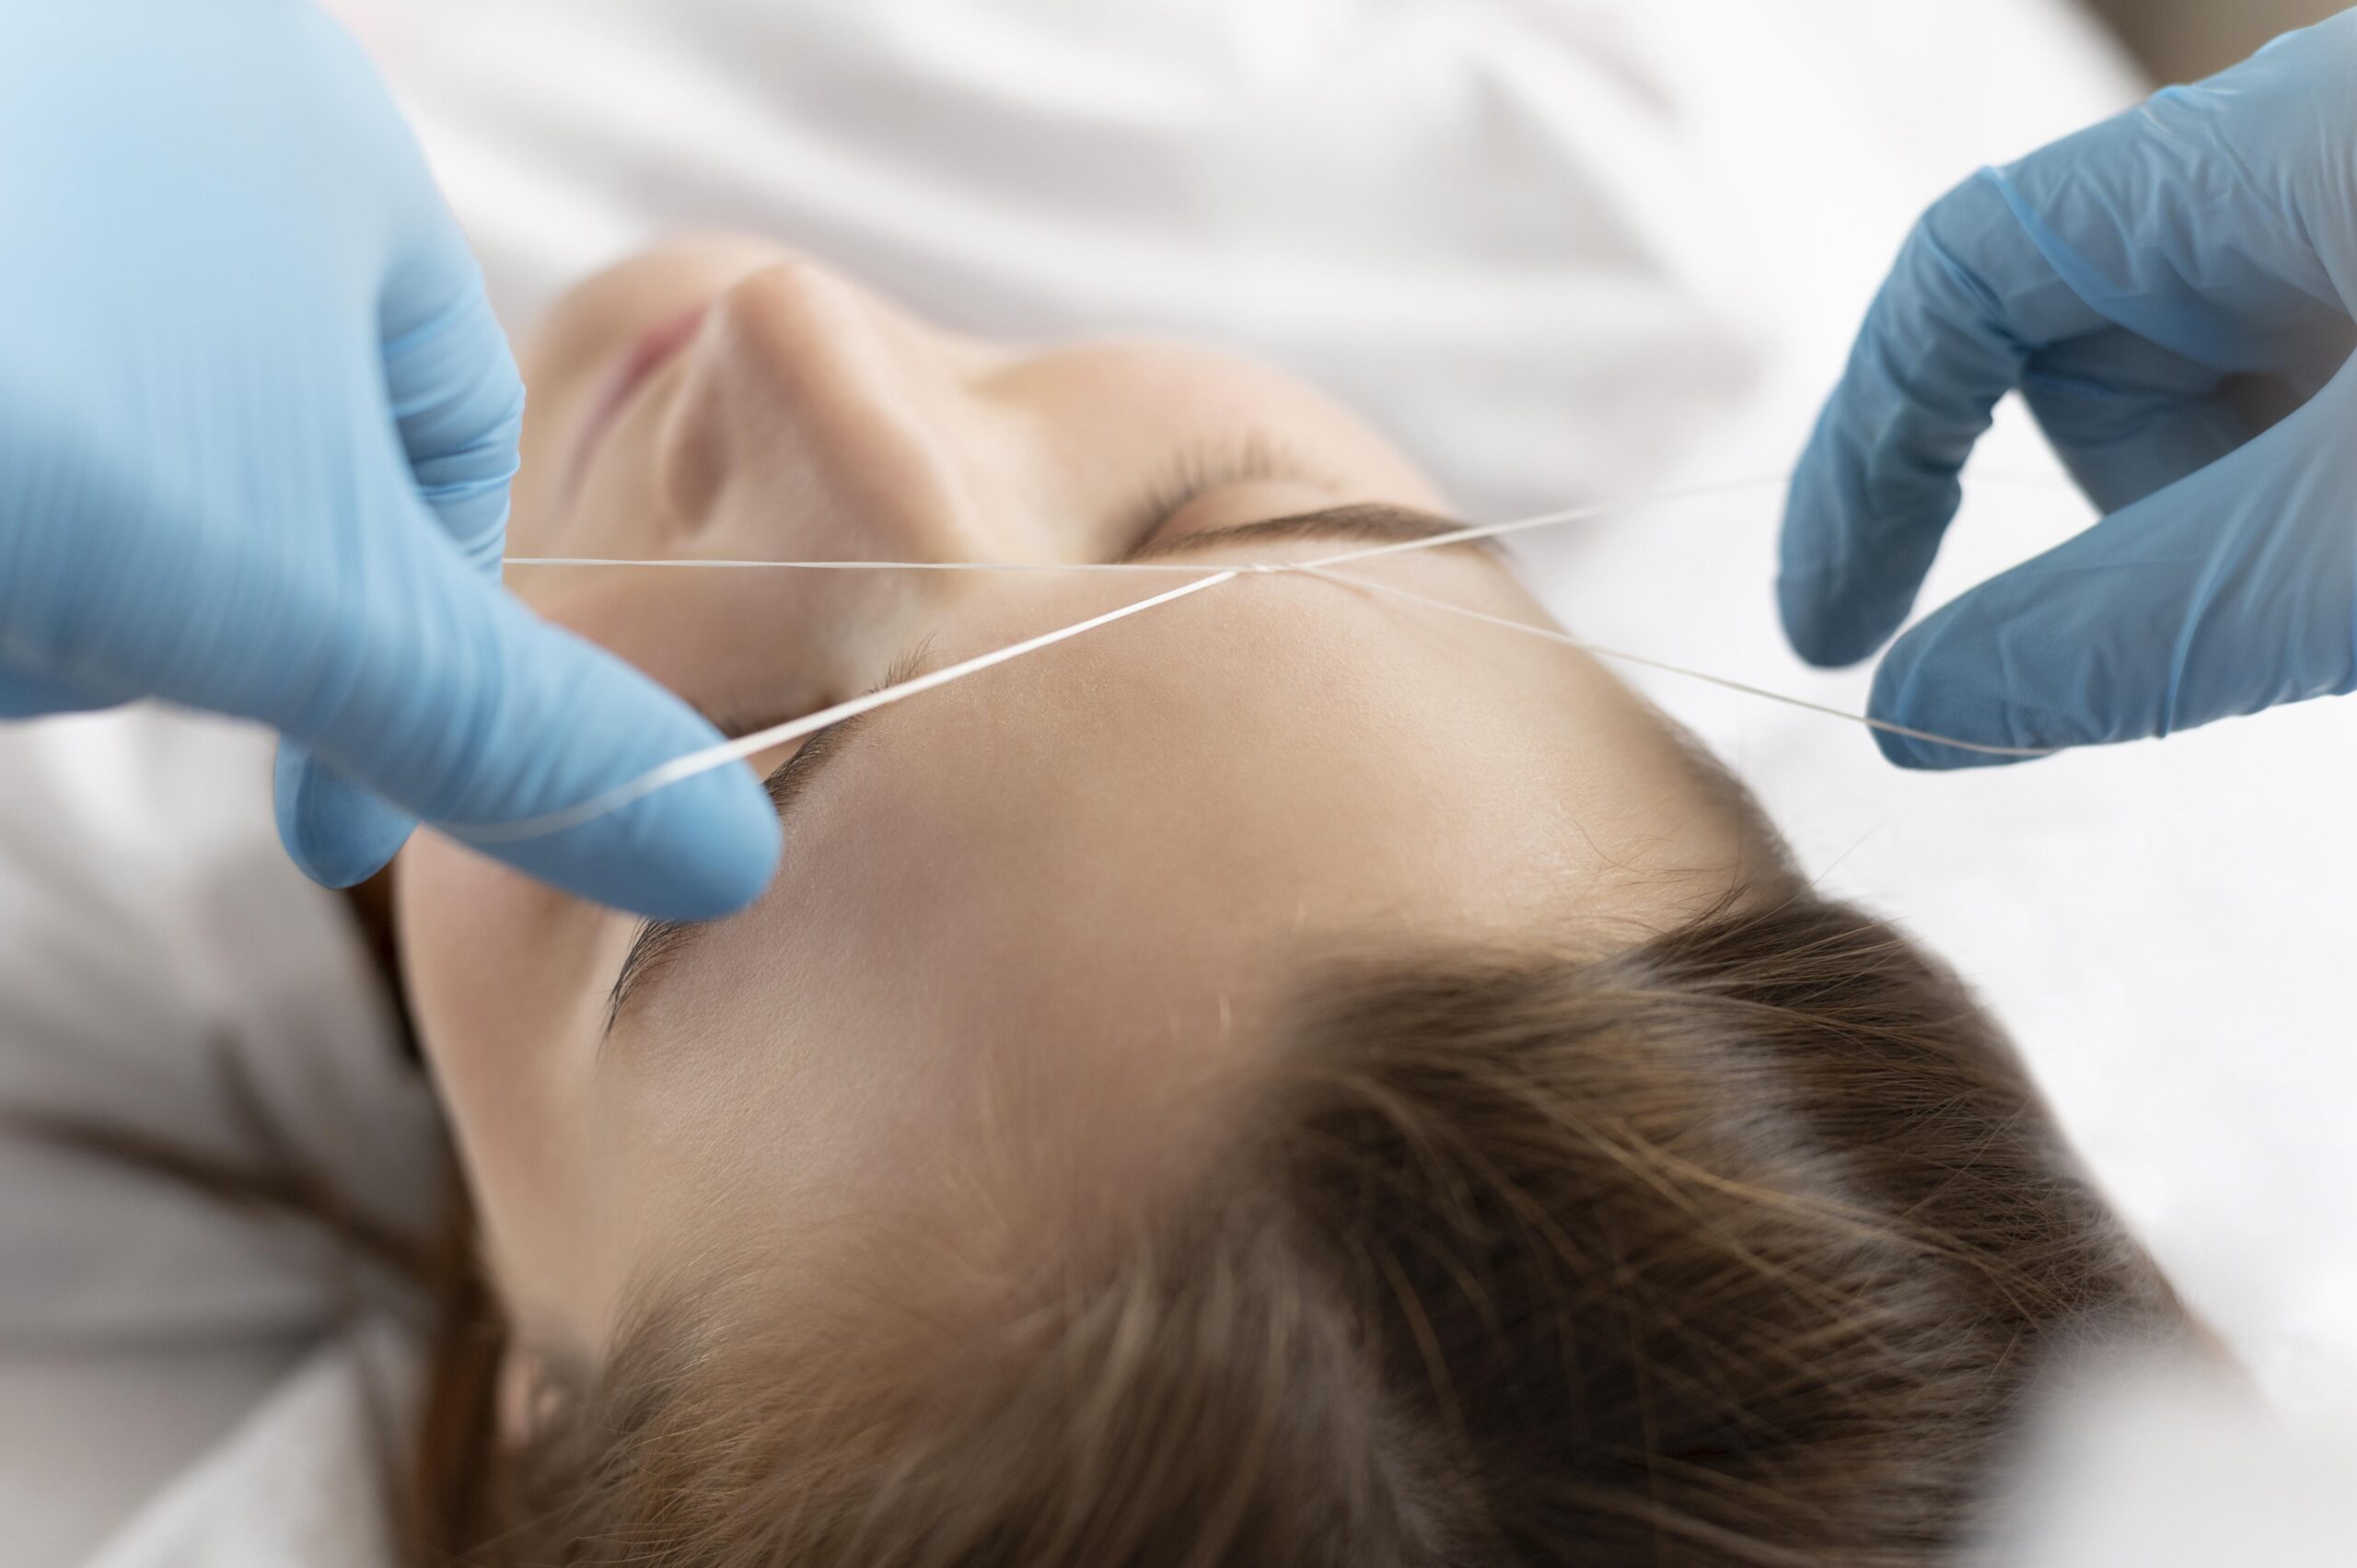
{"x":650,"y":351}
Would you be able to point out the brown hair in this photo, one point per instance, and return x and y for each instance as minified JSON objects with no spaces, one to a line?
{"x":1744,"y":1247}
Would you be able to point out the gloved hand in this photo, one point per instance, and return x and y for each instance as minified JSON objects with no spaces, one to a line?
{"x":257,"y":425}
{"x":2161,"y":288}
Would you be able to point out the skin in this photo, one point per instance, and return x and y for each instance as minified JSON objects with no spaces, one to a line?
{"x":1022,"y":920}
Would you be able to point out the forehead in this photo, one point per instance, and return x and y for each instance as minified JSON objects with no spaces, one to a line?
{"x":1028,"y":915}
{"x":1138,"y":826}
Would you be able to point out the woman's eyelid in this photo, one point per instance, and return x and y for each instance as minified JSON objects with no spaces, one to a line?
{"x":1202,"y":466}
{"x":734,"y":724}
{"x":735,"y":721}
{"x":651,"y":943}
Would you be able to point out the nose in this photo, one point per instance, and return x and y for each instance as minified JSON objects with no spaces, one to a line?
{"x":815,"y":422}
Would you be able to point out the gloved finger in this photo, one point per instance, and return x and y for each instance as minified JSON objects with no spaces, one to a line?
{"x":451,"y":383}
{"x":465,"y":710}
{"x":1950,"y":334}
{"x":24,"y":696}
{"x":2233,"y":591}
{"x":457,"y":403}
{"x":337,"y":832}
{"x":2201,"y":220}
{"x":2129,"y":417}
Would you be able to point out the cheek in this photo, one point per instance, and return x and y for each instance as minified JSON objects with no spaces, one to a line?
{"x":504,"y":978}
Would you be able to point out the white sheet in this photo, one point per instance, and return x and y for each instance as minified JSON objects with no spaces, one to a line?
{"x":152,"y":933}
{"x":1563,"y":249}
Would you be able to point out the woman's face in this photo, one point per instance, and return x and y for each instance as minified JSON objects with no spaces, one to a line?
{"x":1018,"y":919}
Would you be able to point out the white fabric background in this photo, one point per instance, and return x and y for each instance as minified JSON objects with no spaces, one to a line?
{"x":150,"y":932}
{"x":1563,"y":250}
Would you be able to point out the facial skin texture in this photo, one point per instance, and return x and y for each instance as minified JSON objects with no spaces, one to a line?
{"x":1022,"y":919}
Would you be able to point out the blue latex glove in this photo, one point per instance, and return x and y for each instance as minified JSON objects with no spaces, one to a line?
{"x":257,"y":425}
{"x":2160,"y":287}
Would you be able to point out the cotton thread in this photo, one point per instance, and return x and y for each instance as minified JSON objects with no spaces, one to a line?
{"x":1599,"y":651}
{"x":1585,"y":512}
{"x":1588,"y":513}
{"x":695,"y":763}
{"x":1166,"y":568}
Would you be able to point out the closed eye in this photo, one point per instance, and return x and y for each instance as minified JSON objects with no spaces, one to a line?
{"x":659,"y":941}
{"x":1198,"y":469}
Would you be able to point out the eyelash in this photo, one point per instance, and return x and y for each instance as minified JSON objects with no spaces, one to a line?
{"x":656,"y":940}
{"x":1201,"y":467}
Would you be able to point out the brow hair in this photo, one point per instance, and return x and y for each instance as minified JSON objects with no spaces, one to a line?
{"x":1372,"y":522}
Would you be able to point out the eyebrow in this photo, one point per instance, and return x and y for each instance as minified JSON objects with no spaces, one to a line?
{"x":659,"y":943}
{"x":1373,"y":522}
